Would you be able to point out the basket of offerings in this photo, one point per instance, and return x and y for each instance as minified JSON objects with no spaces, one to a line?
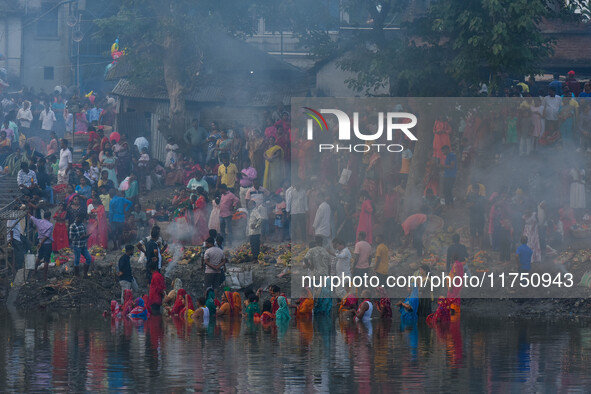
{"x":581,"y":231}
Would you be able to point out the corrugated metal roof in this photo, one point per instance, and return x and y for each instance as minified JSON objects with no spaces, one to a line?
{"x":251,"y":95}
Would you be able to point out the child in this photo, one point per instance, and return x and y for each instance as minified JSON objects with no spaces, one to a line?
{"x":142,"y":167}
{"x":144,"y":159}
{"x":267,"y":316}
{"x":161,"y":212}
{"x":253,"y":306}
{"x":126,"y":279}
{"x":511,"y":138}
{"x":104,"y":181}
{"x":139,"y":217}
{"x":280,"y":215}
{"x":55,"y":165}
{"x":74,"y":178}
{"x":523,"y":257}
{"x":84,"y":188}
{"x":133,"y":190}
{"x":171,"y":155}
{"x":93,"y":170}
{"x":105,"y":197}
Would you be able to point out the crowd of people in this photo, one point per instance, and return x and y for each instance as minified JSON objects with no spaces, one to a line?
{"x":264,"y":182}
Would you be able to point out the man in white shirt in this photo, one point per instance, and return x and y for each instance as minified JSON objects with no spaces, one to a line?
{"x":256,"y":193}
{"x":551,"y":104}
{"x":47,"y":118}
{"x":343,"y":263}
{"x":19,"y":243}
{"x":24,"y":115}
{"x":214,"y":261}
{"x":296,"y":205}
{"x":198,"y":181}
{"x":322,"y":222}
{"x":257,"y":214}
{"x":65,"y":163}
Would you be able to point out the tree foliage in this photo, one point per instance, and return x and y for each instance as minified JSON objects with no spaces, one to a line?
{"x":501,"y":36}
{"x":442,"y":49}
{"x":166,"y":41}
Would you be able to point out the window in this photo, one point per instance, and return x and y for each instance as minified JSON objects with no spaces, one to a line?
{"x":48,"y":73}
{"x":47,"y":23}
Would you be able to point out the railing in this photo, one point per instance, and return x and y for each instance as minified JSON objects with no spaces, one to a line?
{"x":9,"y":212}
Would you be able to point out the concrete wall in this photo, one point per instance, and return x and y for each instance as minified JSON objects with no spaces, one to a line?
{"x":11,"y":45}
{"x":41,"y":52}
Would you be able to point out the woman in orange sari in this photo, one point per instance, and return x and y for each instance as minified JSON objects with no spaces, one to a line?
{"x":431,"y":178}
{"x":442,"y":131}
{"x":267,"y":316}
{"x":227,"y":307}
{"x":305,"y":306}
{"x":237,"y":301}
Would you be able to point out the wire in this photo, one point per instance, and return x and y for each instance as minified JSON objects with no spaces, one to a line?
{"x":47,"y":12}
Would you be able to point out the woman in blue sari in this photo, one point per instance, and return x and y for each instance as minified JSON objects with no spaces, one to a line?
{"x":410,"y":306}
{"x":323,"y":303}
{"x":139,"y":312}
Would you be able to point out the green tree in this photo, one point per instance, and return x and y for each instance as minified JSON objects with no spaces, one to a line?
{"x":499,"y":36}
{"x":167,"y":42}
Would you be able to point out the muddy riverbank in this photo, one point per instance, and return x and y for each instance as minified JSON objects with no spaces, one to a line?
{"x":63,"y":291}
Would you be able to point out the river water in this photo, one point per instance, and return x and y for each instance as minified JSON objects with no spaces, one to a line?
{"x":76,"y":353}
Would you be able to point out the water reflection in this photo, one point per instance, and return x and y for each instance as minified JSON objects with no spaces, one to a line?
{"x":88,"y":353}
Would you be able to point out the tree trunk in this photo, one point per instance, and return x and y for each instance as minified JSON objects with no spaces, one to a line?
{"x":413,"y":195}
{"x":174,"y":85}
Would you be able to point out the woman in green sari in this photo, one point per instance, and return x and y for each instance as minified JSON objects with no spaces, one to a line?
{"x":282,"y":313}
{"x":223,"y":145}
{"x":210,"y":301}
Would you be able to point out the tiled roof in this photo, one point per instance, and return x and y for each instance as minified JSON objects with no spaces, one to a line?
{"x":244,"y":94}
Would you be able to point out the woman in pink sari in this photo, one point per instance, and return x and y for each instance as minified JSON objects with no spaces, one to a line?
{"x":199,"y":217}
{"x":81,"y":122}
{"x":97,"y":223}
{"x":365,"y":218}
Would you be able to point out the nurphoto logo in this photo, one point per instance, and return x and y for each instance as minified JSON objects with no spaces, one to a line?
{"x":402,"y":121}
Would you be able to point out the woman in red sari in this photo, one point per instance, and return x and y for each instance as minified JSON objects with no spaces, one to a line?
{"x":180,"y":305}
{"x":94,"y":141}
{"x":454,"y":292}
{"x":365,"y":218}
{"x":60,"y":229}
{"x":102,"y":224}
{"x":442,"y":131}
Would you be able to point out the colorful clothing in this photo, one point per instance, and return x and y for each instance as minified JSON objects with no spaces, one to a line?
{"x":282,"y":313}
{"x":274,"y":169}
{"x":365,"y":221}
